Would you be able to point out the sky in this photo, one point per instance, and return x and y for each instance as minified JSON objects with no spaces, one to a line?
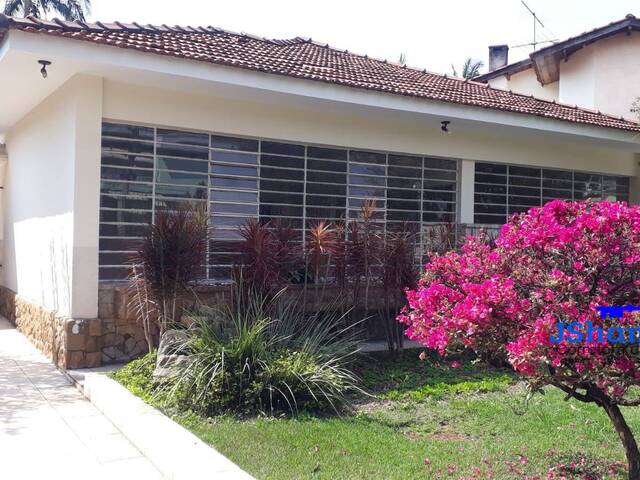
{"x":432,"y":34}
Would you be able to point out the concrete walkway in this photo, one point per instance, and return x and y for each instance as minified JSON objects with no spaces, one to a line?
{"x":49,"y":430}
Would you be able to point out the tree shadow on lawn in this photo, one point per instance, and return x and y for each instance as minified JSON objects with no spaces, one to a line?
{"x":404,"y":376}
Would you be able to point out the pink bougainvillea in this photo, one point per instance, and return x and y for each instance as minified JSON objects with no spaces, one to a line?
{"x":553,"y":264}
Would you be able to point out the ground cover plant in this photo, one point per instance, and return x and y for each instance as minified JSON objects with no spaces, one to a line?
{"x":406,"y":431}
{"x":555,"y":264}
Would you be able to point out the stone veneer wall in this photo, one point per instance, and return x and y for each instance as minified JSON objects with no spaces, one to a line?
{"x":69,"y":343}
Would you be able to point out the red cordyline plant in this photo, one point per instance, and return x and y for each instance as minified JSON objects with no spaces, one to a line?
{"x":164,"y":269}
{"x":554,"y":264}
{"x":268,"y":255}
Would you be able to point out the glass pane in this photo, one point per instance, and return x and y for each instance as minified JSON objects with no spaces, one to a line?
{"x":281,"y":174}
{"x":438,"y":217}
{"x":240,"y":183}
{"x":127,"y":131}
{"x":405,"y":161}
{"x":327,"y":201}
{"x":440,"y":163}
{"x":231,"y":196}
{"x":233,"y":170}
{"x":490,"y":219}
{"x":439,"y":185}
{"x":376,"y":181}
{"x":491,"y":168}
{"x":485,"y":188}
{"x":126,"y":146}
{"x":281,"y":186}
{"x":445,"y":196}
{"x":235,"y":157}
{"x":326,"y":213}
{"x":118,"y":244}
{"x":123,"y":230}
{"x":367,"y":157}
{"x":283,"y":162}
{"x":404,"y":172}
{"x":327,"y":166}
{"x":326,"y":177}
{"x":439,"y":174}
{"x":366,"y":192}
{"x":524,"y":171}
{"x":233,"y":208}
{"x":439,"y":207}
{"x":367,"y":169}
{"x":181,"y":178}
{"x":282,"y":148}
{"x":286,"y":198}
{"x":404,"y":194}
{"x":182,"y":164}
{"x":126,"y":174}
{"x":232,"y":143}
{"x":185,"y":138}
{"x":181,"y":192}
{"x":321,"y":188}
{"x":131,"y":202}
{"x":124,"y":216}
{"x":184,"y":151}
{"x":493,"y":199}
{"x":123,"y":160}
{"x":126,"y":188}
{"x":280,"y":210}
{"x":326,"y":153}
{"x":486,"y":178}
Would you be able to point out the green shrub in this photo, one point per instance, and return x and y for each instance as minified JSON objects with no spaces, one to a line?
{"x":264,"y":356}
{"x":137,"y":376}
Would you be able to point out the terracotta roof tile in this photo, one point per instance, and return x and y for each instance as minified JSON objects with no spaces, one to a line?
{"x":306,"y":59}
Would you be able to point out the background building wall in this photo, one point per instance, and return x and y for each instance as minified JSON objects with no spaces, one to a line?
{"x":527,"y":83}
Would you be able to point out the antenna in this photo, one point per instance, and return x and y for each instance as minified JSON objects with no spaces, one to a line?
{"x":536,"y":21}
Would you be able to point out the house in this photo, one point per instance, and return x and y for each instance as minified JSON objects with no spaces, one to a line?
{"x":596,"y":70}
{"x":105,"y":124}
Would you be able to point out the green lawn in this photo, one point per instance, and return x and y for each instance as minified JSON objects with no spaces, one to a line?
{"x":426,"y":420}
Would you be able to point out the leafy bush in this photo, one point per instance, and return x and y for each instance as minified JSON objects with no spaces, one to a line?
{"x":264,"y":356}
{"x":554,"y":264}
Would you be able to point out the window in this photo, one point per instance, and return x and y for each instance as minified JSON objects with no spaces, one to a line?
{"x":146,"y":169}
{"x":501,"y":190}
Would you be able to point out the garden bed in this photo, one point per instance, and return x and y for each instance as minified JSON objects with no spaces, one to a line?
{"x":424,"y":419}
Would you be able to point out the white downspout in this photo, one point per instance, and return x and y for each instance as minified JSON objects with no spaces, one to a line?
{"x":3,"y":167}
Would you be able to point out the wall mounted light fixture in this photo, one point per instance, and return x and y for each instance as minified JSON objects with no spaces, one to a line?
{"x":43,"y":70}
{"x":444,"y":126}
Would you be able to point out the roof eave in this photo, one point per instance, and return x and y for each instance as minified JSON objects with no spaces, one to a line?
{"x":546,"y":61}
{"x":506,"y":71}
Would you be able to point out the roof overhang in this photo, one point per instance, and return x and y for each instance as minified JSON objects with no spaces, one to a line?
{"x":22,"y":86}
{"x":506,"y":71}
{"x":546,"y":61}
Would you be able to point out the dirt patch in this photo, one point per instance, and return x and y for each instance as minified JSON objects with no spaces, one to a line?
{"x":448,"y":436}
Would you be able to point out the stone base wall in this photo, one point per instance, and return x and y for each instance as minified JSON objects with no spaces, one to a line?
{"x":122,"y":337}
{"x":67,"y":342}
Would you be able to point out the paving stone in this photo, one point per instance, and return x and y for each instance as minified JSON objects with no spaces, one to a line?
{"x":49,"y":430}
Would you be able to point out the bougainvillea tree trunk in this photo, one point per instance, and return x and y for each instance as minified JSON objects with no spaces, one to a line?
{"x":627,"y":438}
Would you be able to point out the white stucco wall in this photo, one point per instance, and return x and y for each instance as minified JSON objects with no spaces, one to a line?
{"x":603,"y":76}
{"x":351,"y":126}
{"x":527,"y":83}
{"x":51,"y":200}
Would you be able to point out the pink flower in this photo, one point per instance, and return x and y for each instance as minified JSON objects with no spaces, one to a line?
{"x":455,"y":364}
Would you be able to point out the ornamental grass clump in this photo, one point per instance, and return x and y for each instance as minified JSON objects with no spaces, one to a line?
{"x":555,"y":264}
{"x":264,"y":356}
